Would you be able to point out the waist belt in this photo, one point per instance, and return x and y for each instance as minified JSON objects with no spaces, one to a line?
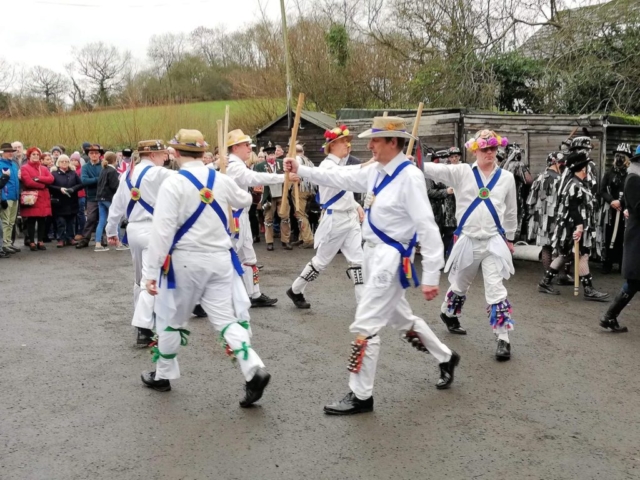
{"x":206,"y":198}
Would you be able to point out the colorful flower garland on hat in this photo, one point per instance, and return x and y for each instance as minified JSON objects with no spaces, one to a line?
{"x":334,"y":134}
{"x":482,"y":143}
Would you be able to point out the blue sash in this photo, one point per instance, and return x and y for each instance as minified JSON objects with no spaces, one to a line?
{"x":135,"y":194}
{"x":483,"y":197}
{"x":236,"y":223}
{"x":332,"y":200}
{"x":407,"y":270}
{"x":167,"y":269}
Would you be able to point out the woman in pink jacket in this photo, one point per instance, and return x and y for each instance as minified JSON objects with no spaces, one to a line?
{"x":35,"y":177}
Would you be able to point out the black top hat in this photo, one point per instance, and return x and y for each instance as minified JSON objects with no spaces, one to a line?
{"x":270,"y":148}
{"x":576,"y":161}
{"x":127,"y":152}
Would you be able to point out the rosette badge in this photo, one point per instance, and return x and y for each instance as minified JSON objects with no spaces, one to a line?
{"x":135,"y":194}
{"x":206,"y":195}
{"x":334,"y":134}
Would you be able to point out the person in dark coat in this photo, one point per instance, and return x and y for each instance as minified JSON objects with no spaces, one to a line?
{"x":631,"y":252}
{"x":64,"y":200}
{"x":35,"y":178}
{"x":108,"y":183}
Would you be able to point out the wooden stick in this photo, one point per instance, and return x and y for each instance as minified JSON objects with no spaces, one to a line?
{"x":284,"y":207}
{"x":576,"y":260}
{"x":385,"y":114}
{"x":221,"y":144}
{"x":414,"y":132}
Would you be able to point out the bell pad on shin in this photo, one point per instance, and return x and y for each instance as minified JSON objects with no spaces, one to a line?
{"x":358,"y":349}
{"x":413,"y":339}
{"x":309,"y":274}
{"x":355,"y":274}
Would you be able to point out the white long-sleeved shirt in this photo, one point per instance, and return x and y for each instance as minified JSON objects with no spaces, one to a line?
{"x":480,"y":224}
{"x":149,"y":189}
{"x":400,"y":210}
{"x":177,"y":201}
{"x":346,"y":202}
{"x":246,"y":178}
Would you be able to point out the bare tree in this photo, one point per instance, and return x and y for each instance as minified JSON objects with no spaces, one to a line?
{"x":167,"y":49}
{"x":7,"y":74}
{"x":103,"y":66}
{"x":49,"y":85}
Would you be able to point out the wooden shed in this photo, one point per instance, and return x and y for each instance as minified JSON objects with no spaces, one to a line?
{"x":537,"y":134}
{"x":310,"y":133}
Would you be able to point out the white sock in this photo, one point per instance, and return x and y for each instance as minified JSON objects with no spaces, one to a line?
{"x":504,"y":336}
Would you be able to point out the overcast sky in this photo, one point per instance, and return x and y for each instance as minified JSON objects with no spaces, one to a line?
{"x":43,"y":32}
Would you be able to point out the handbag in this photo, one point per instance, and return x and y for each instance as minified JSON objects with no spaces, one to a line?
{"x":28,"y":197}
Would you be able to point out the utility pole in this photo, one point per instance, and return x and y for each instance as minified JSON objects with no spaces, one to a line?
{"x":286,"y":61}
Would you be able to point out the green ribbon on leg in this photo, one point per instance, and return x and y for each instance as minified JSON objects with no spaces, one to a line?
{"x":184,"y":341}
{"x":243,"y":323}
{"x":245,"y":348}
{"x":157,"y":354}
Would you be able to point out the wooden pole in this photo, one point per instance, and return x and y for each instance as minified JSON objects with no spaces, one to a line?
{"x":222,"y":163}
{"x":576,"y":260}
{"x":284,"y":207}
{"x":416,"y":125}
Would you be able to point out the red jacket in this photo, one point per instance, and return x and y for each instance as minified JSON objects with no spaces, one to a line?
{"x":29,"y":172}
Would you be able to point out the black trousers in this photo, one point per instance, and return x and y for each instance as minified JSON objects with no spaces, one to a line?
{"x":93,"y":215}
{"x":65,"y":227}
{"x":31,"y":228}
{"x":253,"y":220}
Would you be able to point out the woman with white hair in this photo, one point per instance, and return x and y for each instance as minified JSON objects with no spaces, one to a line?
{"x":64,"y":200}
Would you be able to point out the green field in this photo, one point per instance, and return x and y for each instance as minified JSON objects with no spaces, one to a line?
{"x":119,"y":128}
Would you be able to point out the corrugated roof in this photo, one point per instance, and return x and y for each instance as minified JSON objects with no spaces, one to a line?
{"x":320,"y":119}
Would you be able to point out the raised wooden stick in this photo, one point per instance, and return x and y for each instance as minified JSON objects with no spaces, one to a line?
{"x":284,"y":207}
{"x":222,"y":162}
{"x":414,"y":132}
{"x":576,"y":260}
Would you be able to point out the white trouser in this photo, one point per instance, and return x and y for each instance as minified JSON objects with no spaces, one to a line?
{"x":383,"y":303}
{"x":139,"y":234}
{"x":204,"y":278}
{"x":247,"y":255}
{"x":345,"y":234}
{"x":492,"y":272}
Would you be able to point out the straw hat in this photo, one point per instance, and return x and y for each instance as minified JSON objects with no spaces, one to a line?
{"x":150,"y":146}
{"x":189,"y":141}
{"x":394,"y":127}
{"x":235,"y":137}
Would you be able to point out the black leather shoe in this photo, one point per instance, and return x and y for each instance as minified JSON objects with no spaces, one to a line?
{"x":453,"y":324}
{"x":503,"y":352}
{"x":256,"y":239}
{"x":149,"y":379}
{"x":4,"y":255}
{"x":547,"y":288}
{"x":15,"y":249}
{"x":270,"y":247}
{"x":287,"y":246}
{"x":255,"y":387}
{"x":298,"y":299}
{"x":199,"y":311}
{"x":82,"y":244}
{"x":610,"y":319}
{"x":144,"y":338}
{"x":349,"y":405}
{"x":446,"y":371}
{"x":263,"y":301}
{"x":8,"y":251}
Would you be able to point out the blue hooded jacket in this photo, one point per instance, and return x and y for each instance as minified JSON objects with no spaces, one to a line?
{"x":11,"y":190}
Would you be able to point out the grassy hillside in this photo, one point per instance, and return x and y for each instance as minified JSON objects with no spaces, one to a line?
{"x":125,"y":127}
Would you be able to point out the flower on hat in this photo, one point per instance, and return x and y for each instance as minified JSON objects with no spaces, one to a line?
{"x":335,"y":133}
{"x":481,"y":143}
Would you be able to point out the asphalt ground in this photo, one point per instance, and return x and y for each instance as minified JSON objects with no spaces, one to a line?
{"x":72,"y":405}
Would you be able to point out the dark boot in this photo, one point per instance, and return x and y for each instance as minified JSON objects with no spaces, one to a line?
{"x":349,"y":405}
{"x":565,"y":280}
{"x":503,"y":352}
{"x":591,"y":293}
{"x":263,"y":301}
{"x":287,"y":246}
{"x":453,"y":324}
{"x":270,"y":247}
{"x":84,"y":243}
{"x":446,"y":371}
{"x":546,"y":284}
{"x":144,"y":338}
{"x":149,"y":379}
{"x":298,"y":299}
{"x":610,"y":318}
{"x":199,"y":311}
{"x":255,"y":388}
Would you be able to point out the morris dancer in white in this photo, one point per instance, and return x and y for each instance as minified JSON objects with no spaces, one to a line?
{"x":486,"y":210}
{"x":339,"y":228}
{"x":239,"y":146}
{"x":191,"y":245}
{"x":135,"y":200}
{"x":398,"y":216}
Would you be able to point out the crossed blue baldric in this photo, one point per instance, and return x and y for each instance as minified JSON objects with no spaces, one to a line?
{"x":139,"y":200}
{"x":168,"y":268}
